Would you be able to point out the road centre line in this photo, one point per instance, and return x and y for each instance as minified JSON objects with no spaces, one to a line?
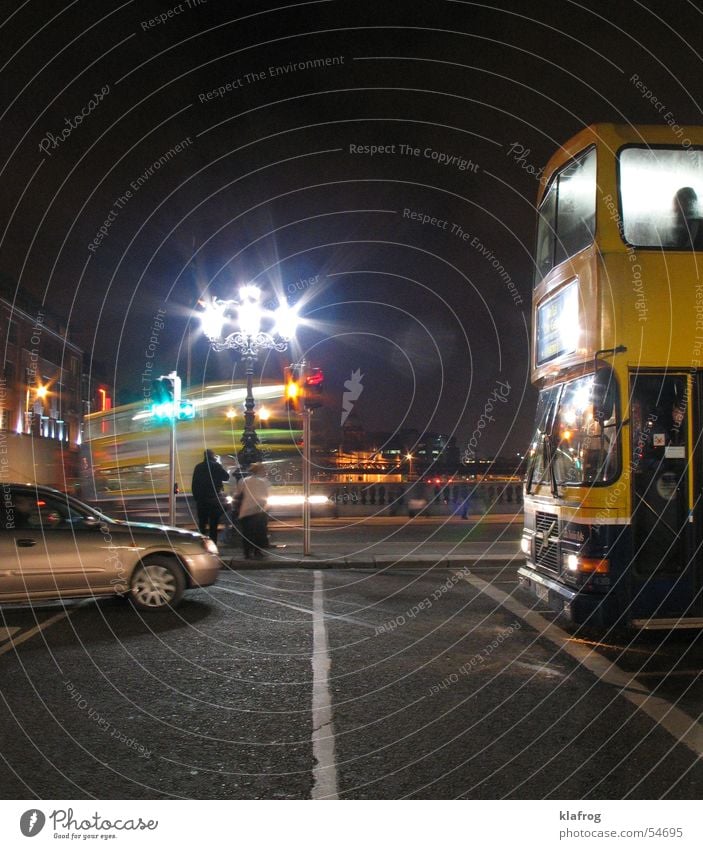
{"x":27,"y":635}
{"x":677,"y":722}
{"x":6,"y":632}
{"x":325,"y":768}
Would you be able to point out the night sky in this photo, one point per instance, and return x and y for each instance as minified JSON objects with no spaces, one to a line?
{"x":378,"y":161}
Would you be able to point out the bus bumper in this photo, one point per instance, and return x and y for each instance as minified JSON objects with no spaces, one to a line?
{"x":573,"y":607}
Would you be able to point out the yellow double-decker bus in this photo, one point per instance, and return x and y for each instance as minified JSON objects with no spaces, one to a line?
{"x":613,"y":529}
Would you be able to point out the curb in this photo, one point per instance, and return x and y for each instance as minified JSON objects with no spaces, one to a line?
{"x":377,"y":563}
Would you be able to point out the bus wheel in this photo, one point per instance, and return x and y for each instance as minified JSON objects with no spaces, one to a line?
{"x":157,"y":582}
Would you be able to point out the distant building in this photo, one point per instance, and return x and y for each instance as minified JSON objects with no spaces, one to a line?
{"x":43,"y":393}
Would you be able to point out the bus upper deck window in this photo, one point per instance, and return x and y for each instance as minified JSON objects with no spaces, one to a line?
{"x":567,"y":215}
{"x":660,"y":190}
{"x":576,"y":206}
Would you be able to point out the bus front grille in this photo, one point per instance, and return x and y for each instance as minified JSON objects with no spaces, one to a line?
{"x":547,"y":542}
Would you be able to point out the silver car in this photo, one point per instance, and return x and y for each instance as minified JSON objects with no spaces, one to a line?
{"x":54,"y":546}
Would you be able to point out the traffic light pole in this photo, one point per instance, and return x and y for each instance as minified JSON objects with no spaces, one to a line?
{"x":298,"y":386}
{"x":306,"y":480}
{"x":172,"y":447}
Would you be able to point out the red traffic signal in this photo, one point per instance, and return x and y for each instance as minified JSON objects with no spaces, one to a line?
{"x":314,"y":383}
{"x":303,"y":388}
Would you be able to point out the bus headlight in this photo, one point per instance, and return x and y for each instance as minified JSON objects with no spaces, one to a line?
{"x":586,"y":565}
{"x":525,"y":546}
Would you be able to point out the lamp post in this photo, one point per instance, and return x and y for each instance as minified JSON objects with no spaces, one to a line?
{"x":248,"y":338}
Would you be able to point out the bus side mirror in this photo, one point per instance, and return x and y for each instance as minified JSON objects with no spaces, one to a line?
{"x":602,"y":396}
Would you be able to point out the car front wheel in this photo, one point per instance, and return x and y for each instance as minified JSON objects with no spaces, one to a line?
{"x":156,"y":583}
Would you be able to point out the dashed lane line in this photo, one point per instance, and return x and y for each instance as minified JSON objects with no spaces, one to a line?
{"x":15,"y":641}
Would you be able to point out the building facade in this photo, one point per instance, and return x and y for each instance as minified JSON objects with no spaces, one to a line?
{"x":42,"y":398}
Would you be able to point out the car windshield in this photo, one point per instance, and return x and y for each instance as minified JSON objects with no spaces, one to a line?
{"x":575,"y":439}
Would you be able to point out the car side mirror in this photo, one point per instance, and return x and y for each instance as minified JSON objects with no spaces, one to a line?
{"x":91,"y":522}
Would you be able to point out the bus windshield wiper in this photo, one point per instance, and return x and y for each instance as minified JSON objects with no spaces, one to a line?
{"x":549,"y":460}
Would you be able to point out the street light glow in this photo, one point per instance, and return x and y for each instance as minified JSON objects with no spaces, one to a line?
{"x":212,"y":319}
{"x":248,"y":338}
{"x":286,"y":318}
{"x":249,"y":311}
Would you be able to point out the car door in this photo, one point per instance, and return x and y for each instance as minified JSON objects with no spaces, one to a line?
{"x":50,"y":548}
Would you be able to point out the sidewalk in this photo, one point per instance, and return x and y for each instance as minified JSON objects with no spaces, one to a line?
{"x":381,"y":555}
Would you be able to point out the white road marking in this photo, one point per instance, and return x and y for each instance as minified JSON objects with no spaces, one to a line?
{"x":342,"y":616}
{"x":325,"y":768}
{"x":6,"y":633}
{"x":27,"y":635}
{"x":677,"y":722}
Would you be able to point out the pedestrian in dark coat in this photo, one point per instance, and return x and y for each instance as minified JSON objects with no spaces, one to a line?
{"x":208,"y":479}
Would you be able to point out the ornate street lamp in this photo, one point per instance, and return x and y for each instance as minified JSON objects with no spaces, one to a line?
{"x":248,"y":338}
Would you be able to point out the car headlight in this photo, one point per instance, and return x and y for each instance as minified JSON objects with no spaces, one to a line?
{"x":209,"y":545}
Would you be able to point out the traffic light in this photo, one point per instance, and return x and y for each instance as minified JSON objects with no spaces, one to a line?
{"x":162,"y":394}
{"x":166,"y":397}
{"x":293,"y":391}
{"x":314,"y":383}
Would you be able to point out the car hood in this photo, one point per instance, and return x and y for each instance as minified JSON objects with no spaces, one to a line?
{"x":150,"y":526}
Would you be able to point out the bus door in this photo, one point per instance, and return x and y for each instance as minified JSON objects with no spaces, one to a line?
{"x":663,"y":580}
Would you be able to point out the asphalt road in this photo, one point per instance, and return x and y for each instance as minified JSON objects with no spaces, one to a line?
{"x":397,"y":683}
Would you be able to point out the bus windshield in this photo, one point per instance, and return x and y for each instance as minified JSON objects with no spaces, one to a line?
{"x":575,"y":441}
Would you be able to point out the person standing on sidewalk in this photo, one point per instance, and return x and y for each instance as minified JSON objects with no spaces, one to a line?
{"x":253,"y":519}
{"x":206,"y":486}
